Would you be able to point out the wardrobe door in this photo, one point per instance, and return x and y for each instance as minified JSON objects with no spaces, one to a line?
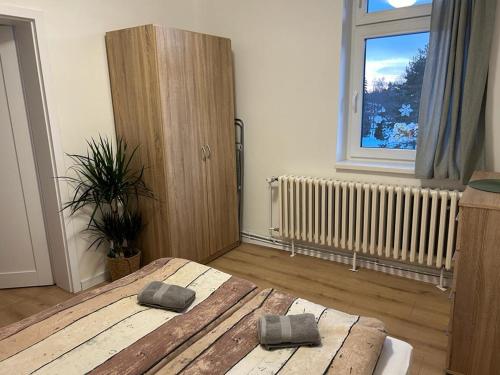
{"x":179,"y":70}
{"x":132,"y":62}
{"x":221,"y":162}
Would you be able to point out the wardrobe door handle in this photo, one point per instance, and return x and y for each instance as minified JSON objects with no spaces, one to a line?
{"x":203,"y":153}
{"x":209,"y":151}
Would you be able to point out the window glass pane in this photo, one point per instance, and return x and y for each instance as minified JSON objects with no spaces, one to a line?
{"x":379,"y":5}
{"x":394,"y":70}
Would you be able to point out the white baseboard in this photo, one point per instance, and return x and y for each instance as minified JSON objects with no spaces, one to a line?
{"x":392,"y":268}
{"x":89,"y":282}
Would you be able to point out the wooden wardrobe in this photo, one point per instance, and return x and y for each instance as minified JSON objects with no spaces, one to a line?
{"x":173,"y":97}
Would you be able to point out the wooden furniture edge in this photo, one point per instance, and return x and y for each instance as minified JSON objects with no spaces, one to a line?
{"x":474,"y":198}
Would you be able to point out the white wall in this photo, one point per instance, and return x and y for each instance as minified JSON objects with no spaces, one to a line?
{"x":80,"y":92}
{"x":286,"y":56}
{"x":287,"y":68}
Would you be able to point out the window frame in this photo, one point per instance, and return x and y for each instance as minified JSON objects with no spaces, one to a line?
{"x":362,"y":17}
{"x":366,"y":25}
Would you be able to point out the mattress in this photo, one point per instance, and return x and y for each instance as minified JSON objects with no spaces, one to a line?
{"x":105,"y":331}
{"x":395,"y":358}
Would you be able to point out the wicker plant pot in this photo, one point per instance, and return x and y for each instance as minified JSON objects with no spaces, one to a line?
{"x":120,"y":267}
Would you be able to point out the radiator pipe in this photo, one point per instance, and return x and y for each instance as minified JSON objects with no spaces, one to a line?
{"x":354,"y":265}
{"x":271,"y":229}
{"x":441,"y":281}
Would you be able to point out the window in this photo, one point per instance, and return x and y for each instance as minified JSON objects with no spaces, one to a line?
{"x":393,"y":73}
{"x":388,"y":52}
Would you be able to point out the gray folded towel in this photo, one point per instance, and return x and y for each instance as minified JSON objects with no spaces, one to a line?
{"x":166,"y":296}
{"x":288,"y":331}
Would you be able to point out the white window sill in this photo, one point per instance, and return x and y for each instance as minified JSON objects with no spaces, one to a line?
{"x":396,"y":167}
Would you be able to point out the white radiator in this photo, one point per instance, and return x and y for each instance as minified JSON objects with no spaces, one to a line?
{"x":409,"y":224}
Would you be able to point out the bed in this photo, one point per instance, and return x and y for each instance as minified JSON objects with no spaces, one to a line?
{"x":105,"y":331}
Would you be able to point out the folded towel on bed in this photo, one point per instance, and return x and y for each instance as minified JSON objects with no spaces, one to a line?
{"x":275,"y":331}
{"x":166,"y":296}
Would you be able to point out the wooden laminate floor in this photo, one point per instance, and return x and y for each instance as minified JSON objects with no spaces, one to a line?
{"x":19,"y":303}
{"x":412,"y":311}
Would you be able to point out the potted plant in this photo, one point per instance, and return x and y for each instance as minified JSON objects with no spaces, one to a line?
{"x":107,"y":187}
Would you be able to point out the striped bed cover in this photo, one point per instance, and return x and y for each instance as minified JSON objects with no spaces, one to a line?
{"x":105,"y":331}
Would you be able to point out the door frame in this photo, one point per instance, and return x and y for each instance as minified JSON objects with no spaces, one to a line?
{"x":35,"y":73}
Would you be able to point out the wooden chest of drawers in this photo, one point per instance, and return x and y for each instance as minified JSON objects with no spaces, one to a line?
{"x":474,"y":335}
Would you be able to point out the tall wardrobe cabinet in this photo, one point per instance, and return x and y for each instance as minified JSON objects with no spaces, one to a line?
{"x":173,"y":97}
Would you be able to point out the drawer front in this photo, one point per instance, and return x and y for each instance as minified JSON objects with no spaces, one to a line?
{"x":474,"y":346}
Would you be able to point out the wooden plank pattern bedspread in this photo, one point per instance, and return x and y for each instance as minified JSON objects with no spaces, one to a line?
{"x":105,"y":331}
{"x":350,"y":344}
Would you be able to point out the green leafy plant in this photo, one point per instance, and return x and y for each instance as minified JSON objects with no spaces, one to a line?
{"x":108,"y":228}
{"x":119,"y":230}
{"x":107,"y":182}
{"x":132,"y":225}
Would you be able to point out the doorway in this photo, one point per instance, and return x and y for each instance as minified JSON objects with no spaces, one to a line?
{"x":24,"y":254}
{"x":41,"y":232}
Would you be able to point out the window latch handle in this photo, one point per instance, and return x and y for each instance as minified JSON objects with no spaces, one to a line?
{"x":355,"y":102}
